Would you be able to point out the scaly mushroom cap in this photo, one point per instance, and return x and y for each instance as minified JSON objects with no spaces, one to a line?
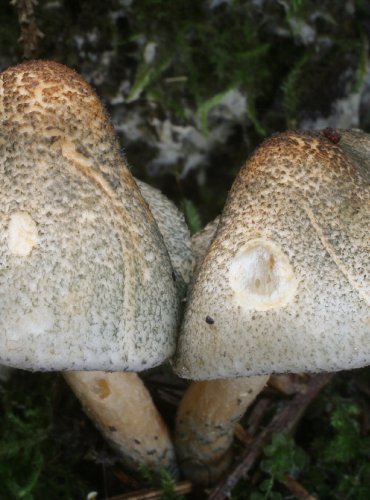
{"x":83,"y":264}
{"x":171,"y":223}
{"x":201,"y":241}
{"x":284,"y":286}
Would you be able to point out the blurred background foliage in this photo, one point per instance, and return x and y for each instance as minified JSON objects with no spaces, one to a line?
{"x":193,"y":87}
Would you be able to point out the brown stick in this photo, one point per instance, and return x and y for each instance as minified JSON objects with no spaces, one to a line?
{"x":127,"y":480}
{"x":181,"y":488}
{"x":256,"y":415}
{"x":30,"y":32}
{"x":285,"y":420}
{"x":297,"y":489}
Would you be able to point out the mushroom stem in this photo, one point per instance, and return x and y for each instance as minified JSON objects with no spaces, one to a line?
{"x":205,"y":424}
{"x":122,"y":409}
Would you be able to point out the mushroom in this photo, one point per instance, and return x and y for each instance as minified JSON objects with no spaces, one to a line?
{"x":201,"y":240}
{"x":205,"y":422}
{"x":118,"y":403}
{"x":86,"y":282}
{"x":285,"y":281}
{"x":175,"y":232}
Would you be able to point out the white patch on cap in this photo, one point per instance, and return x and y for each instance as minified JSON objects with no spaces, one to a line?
{"x":37,"y":322}
{"x":262,"y":276}
{"x":22,"y":234}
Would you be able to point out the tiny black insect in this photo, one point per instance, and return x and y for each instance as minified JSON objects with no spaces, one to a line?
{"x":209,"y":320}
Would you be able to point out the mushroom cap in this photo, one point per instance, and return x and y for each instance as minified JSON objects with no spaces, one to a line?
{"x":86,"y":281}
{"x":201,"y":240}
{"x":172,"y":225}
{"x":284,"y":286}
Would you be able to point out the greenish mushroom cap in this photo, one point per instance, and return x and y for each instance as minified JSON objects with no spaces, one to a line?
{"x":285,"y":284}
{"x":86,"y":281}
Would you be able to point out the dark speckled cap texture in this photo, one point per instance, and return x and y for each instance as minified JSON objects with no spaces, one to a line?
{"x":85,"y":278}
{"x":285,"y":283}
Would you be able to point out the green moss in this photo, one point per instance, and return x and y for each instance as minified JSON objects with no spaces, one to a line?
{"x":192,"y":216}
{"x":164,"y":481}
{"x":198,"y":57}
{"x":341,"y":455}
{"x":329,"y":454}
{"x":31,"y":455}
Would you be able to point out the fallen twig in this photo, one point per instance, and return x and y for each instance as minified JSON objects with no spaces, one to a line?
{"x":284,"y":420}
{"x":297,"y":489}
{"x":181,"y":488}
{"x":257,"y":414}
{"x":241,"y":434}
{"x":30,"y":33}
{"x":126,"y":479}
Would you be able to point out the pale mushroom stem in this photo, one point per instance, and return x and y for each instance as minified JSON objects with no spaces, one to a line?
{"x":205,"y":424}
{"x":121,"y":407}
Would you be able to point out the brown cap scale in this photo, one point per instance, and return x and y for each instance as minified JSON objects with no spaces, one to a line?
{"x":83,"y":262}
{"x":285,"y":280}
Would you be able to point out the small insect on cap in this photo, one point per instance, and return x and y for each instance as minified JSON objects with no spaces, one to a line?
{"x":86,"y":281}
{"x":285,"y":284}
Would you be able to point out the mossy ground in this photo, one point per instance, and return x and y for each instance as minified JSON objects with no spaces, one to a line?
{"x":49,"y":449}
